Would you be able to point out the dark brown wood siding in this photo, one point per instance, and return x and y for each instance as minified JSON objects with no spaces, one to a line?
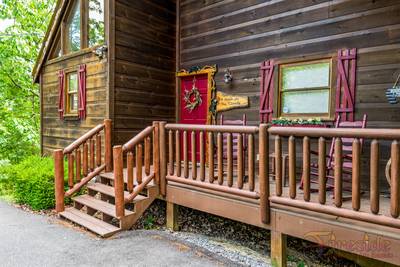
{"x":239,"y":35}
{"x":145,"y":65}
{"x":58,"y":133}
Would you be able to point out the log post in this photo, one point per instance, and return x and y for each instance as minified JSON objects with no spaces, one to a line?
{"x":172,"y":216}
{"x":163,"y":159}
{"x":108,"y":144}
{"x":264,"y":175}
{"x":59,"y":179}
{"x":119,"y":181}
{"x":156,"y":152}
{"x":278,"y":249}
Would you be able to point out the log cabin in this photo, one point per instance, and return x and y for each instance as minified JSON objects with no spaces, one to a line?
{"x":133,"y":92}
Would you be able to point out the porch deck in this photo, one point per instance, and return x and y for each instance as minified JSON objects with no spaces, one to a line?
{"x":240,"y":187}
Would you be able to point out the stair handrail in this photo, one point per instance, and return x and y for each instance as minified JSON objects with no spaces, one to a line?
{"x":89,"y":164}
{"x":135,"y":145}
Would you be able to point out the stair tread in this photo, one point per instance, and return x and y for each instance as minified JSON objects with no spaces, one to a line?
{"x":110,"y":176}
{"x":99,"y":205}
{"x":109,"y":191}
{"x":93,"y":224}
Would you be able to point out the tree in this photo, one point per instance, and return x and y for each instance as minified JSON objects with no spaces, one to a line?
{"x":19,"y":97}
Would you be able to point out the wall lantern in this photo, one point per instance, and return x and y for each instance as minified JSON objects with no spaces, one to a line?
{"x":393,"y":94}
{"x":228,"y":76}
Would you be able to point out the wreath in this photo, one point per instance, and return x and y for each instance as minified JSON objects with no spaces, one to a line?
{"x":192,"y":99}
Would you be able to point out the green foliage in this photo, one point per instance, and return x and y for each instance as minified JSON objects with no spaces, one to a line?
{"x":149,"y":222}
{"x":32,"y":182}
{"x":19,"y":97}
{"x":289,"y":122}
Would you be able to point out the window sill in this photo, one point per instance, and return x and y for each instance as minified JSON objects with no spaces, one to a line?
{"x":71,"y":117}
{"x":73,"y":54}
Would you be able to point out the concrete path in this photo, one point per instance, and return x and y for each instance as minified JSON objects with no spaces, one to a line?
{"x":33,"y":240}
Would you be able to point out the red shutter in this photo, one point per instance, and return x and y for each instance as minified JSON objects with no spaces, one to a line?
{"x":61,"y":80}
{"x":82,"y":92}
{"x":266,"y":91}
{"x":346,"y":84}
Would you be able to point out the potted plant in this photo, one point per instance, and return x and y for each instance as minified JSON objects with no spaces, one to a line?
{"x":311,"y":123}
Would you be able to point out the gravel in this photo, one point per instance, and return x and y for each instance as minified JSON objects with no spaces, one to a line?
{"x":241,"y":243}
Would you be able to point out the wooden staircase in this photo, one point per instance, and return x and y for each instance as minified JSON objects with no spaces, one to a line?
{"x":96,"y":210}
{"x":115,"y":197}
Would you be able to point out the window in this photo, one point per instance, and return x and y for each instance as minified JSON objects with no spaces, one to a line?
{"x":96,"y":22}
{"x":305,"y":89}
{"x":56,"y":49}
{"x":71,"y":93}
{"x":83,"y":26}
{"x":73,"y":29}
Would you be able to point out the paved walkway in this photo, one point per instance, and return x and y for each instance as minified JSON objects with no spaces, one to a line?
{"x":32,"y":240}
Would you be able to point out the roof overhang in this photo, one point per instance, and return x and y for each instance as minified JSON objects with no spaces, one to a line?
{"x":49,"y":38}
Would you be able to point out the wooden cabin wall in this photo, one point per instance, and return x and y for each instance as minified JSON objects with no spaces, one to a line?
{"x":239,"y":35}
{"x":57,"y":133}
{"x":144,"y":65}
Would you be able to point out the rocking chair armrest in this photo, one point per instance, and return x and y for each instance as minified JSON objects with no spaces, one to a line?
{"x":317,"y":153}
{"x":348,"y":156}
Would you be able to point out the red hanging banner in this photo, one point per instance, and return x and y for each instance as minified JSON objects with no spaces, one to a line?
{"x":266,"y":91}
{"x":82,"y":92}
{"x":61,"y":81}
{"x":346,"y":84}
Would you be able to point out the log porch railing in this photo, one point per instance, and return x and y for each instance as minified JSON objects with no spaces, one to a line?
{"x":85,"y":161}
{"x":198,"y":168}
{"x":138,"y":153}
{"x":374,"y":213}
{"x":167,"y":153}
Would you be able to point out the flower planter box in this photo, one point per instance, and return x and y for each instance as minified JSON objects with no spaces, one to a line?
{"x":303,"y":126}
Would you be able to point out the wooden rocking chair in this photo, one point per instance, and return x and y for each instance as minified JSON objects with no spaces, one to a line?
{"x":235,"y":138}
{"x":347,"y":150}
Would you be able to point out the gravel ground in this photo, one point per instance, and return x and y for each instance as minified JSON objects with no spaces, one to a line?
{"x":245,"y":244}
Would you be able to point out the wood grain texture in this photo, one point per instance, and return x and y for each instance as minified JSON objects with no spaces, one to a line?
{"x":144,"y":65}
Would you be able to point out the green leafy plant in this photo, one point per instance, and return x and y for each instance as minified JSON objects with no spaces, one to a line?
{"x":30,"y":182}
{"x":289,"y":122}
{"x":149,"y":222}
{"x":20,"y":42}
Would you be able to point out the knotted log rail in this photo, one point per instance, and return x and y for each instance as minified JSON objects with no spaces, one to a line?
{"x":85,"y":159}
{"x":138,"y":153}
{"x":337,"y":209}
{"x":198,"y":168}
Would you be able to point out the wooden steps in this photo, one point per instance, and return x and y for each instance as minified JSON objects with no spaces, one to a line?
{"x":99,"y":202}
{"x":89,"y":222}
{"x":98,"y":205}
{"x":110,"y":176}
{"x":109,"y":191}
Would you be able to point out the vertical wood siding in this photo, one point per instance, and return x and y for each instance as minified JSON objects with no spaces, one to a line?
{"x":145,"y":65}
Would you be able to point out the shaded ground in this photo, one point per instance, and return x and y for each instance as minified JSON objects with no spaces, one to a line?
{"x":28,"y":239}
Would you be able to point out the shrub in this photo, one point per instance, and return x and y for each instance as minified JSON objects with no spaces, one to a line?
{"x":30,"y":182}
{"x":33,"y":182}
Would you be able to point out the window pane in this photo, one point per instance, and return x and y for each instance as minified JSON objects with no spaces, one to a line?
{"x":74,"y":28}
{"x":73,"y":83}
{"x":315,"y":101}
{"x":73,"y":102}
{"x":306,"y":76}
{"x":96,"y":22}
